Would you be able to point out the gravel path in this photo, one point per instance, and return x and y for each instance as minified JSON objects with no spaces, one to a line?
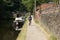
{"x":34,"y":33}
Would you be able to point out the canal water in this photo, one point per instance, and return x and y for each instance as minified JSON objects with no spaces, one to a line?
{"x":7,"y":32}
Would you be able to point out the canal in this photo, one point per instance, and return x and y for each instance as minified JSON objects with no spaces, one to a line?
{"x":7,"y":32}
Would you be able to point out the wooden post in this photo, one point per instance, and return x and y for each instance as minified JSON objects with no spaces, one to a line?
{"x":34,"y":8}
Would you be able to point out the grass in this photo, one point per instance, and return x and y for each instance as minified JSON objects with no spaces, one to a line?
{"x":22,"y":34}
{"x":52,"y":38}
{"x":37,"y":21}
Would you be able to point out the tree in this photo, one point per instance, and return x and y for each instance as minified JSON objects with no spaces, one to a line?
{"x":56,"y":1}
{"x":29,"y":4}
{"x":6,"y":8}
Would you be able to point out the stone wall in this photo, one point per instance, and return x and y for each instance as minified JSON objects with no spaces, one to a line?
{"x":52,"y":21}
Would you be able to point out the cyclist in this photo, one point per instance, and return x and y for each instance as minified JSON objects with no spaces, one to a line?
{"x":30,"y":18}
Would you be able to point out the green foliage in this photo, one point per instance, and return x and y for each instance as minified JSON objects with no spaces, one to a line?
{"x":8,"y":3}
{"x":7,"y":6}
{"x":56,"y":1}
{"x":19,"y":5}
{"x":28,"y":4}
{"x":43,"y":1}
